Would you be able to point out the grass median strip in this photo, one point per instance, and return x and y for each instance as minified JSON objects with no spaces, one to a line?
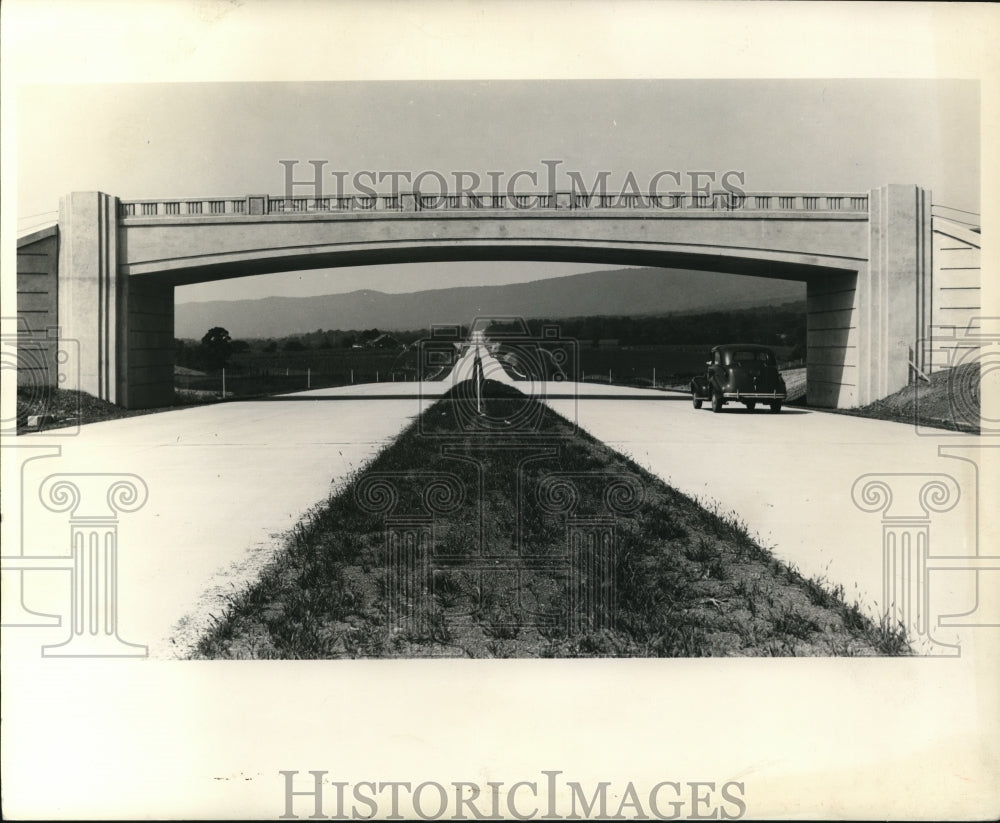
{"x":510,"y":534}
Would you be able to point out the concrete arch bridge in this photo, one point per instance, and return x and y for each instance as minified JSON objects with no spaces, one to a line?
{"x":892,"y":283}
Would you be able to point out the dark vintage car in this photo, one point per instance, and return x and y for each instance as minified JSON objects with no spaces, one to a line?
{"x":746,"y":373}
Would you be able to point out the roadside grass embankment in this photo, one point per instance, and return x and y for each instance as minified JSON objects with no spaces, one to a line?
{"x":948,"y":400}
{"x":46,"y":408}
{"x":42,"y":408}
{"x":685,"y":581}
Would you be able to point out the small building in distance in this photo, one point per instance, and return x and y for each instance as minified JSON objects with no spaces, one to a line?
{"x":383,"y":341}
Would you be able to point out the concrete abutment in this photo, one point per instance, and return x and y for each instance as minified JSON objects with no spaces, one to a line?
{"x":91,"y":311}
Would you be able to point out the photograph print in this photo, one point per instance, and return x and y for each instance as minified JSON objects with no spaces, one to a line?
{"x":622,"y":377}
{"x":475,"y":411}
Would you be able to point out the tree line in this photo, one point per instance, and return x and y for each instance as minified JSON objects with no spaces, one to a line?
{"x":783,"y":325}
{"x":216,"y":347}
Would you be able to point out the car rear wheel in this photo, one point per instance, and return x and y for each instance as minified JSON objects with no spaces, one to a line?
{"x":695,"y":400}
{"x":716,"y":402}
{"x":776,"y":406}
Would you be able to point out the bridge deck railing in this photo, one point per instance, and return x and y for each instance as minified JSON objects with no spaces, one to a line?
{"x":254,"y":205}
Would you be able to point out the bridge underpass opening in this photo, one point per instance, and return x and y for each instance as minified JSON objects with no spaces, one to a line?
{"x":589,"y":304}
{"x":830,"y":368}
{"x":865,"y":259}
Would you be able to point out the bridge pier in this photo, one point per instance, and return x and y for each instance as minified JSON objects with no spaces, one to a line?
{"x":90,"y":299}
{"x":832,"y":340}
{"x":865,"y":327}
{"x":123,"y":326}
{"x":893,"y":311}
{"x":147,"y":358}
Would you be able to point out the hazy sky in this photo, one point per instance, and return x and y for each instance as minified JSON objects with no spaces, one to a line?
{"x":225,"y":139}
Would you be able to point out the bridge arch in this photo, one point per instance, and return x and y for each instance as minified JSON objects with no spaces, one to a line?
{"x":781,"y":264}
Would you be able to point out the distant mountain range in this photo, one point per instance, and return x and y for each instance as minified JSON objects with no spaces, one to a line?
{"x":614,"y":292}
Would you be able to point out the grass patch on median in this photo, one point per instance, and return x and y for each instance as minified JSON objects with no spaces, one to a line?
{"x":497,"y":575}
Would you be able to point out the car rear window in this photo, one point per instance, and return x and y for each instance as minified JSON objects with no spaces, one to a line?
{"x":750,"y":356}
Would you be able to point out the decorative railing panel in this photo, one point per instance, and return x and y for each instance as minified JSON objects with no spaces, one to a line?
{"x":650,"y":204}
